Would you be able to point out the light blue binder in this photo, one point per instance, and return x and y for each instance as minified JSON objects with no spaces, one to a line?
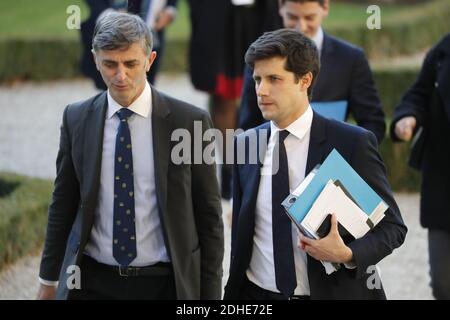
{"x":335,"y":168}
{"x":336,"y":110}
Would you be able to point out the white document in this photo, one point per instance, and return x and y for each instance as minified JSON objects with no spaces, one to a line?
{"x":302,"y":186}
{"x":332,"y":199}
{"x":242,"y":2}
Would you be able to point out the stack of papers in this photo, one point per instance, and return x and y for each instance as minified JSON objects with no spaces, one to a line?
{"x":334,"y":187}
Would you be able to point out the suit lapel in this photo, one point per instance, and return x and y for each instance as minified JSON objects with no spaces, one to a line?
{"x":326,"y":63}
{"x":161,"y":130}
{"x":250,"y":176}
{"x":94,"y":124}
{"x":92,"y":150}
{"x":254,"y":176}
{"x":327,"y":47}
{"x":316,"y":151}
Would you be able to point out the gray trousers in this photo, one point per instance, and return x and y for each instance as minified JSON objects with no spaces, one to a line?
{"x":439,"y":251}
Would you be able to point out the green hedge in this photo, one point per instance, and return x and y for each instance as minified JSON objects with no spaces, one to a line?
{"x":410,"y":31}
{"x":38,"y":59}
{"x":400,"y":175}
{"x":391,"y":85}
{"x":23,"y":215}
{"x":50,"y":59}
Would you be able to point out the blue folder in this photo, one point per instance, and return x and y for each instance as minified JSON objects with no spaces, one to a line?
{"x":336,"y":168}
{"x":336,"y":110}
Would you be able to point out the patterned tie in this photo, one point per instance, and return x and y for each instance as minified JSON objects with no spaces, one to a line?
{"x":281,"y":225}
{"x":124,"y":230}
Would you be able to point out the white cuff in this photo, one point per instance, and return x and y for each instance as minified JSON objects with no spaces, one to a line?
{"x":48,"y":283}
{"x":350,"y":265}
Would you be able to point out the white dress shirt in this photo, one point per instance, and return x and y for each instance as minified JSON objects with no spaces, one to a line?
{"x":318,"y":40}
{"x":261,"y":270}
{"x":149,"y":237}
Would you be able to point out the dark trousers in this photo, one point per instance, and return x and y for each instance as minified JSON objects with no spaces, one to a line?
{"x":439,"y":251}
{"x":101,"y":282}
{"x":251,"y":291}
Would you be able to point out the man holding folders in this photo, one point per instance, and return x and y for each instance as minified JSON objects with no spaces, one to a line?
{"x":267,"y":260}
{"x":345,"y":73}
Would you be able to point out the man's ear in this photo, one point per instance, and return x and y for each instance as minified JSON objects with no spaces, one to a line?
{"x":94,"y":56}
{"x":326,"y":7}
{"x":150,"y":60}
{"x":306,"y":81}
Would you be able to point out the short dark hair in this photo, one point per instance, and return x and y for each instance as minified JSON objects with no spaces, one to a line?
{"x":321,"y":2}
{"x":300,"y":52}
{"x":117,"y":30}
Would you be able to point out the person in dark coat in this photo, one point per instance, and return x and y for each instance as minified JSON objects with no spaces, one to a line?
{"x":87,"y":64}
{"x":425,"y":111}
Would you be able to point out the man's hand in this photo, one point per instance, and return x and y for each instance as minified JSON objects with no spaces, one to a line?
{"x":46,"y":292}
{"x":331,"y":248}
{"x":404,"y":128}
{"x":165,"y":17}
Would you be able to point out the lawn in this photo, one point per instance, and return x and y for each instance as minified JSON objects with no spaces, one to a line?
{"x":47,"y":18}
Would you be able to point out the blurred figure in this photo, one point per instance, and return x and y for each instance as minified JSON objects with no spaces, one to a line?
{"x":345,"y":72}
{"x":87,"y":64}
{"x":222,"y":30}
{"x":158,"y":14}
{"x":425,"y":108}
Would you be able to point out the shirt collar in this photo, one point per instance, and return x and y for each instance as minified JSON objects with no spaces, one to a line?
{"x":299,"y":127}
{"x":318,"y":39}
{"x":142,"y":105}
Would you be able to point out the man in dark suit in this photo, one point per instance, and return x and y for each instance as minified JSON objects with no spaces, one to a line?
{"x":158,"y":14}
{"x":426,"y":105}
{"x":87,"y":65}
{"x":345,"y":73}
{"x":266,"y":262}
{"x":137,"y":223}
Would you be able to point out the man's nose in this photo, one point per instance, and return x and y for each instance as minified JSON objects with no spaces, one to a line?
{"x":262,"y":89}
{"x":301,"y":26}
{"x":121,"y":73}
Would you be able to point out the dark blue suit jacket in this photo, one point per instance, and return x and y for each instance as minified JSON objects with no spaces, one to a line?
{"x":344,"y":75}
{"x":359,"y":147}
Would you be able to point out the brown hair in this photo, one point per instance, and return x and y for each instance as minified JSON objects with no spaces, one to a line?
{"x":321,"y":2}
{"x":300,"y":52}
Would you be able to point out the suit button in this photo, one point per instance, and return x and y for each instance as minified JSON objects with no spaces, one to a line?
{"x":436,"y":84}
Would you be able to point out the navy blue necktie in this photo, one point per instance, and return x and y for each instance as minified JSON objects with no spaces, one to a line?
{"x":281,"y":224}
{"x":124,"y":229}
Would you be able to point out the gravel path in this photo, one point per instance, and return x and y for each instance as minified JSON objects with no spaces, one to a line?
{"x":29,"y":133}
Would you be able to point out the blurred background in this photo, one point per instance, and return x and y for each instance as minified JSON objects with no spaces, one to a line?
{"x":40,"y":74}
